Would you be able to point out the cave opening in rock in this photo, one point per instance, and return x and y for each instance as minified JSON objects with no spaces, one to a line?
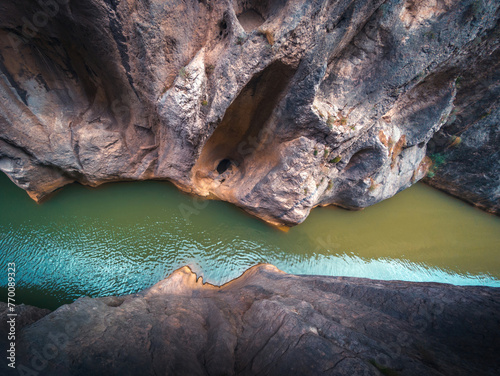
{"x":253,"y":13}
{"x":223,"y":166}
{"x":250,"y":20}
{"x":242,"y":130}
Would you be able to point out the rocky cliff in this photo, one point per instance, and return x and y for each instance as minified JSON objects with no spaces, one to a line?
{"x":268,"y":323}
{"x":276,"y":106}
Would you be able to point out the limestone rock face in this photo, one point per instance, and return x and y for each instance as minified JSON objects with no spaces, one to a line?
{"x":269,"y":323}
{"x":276,"y":106}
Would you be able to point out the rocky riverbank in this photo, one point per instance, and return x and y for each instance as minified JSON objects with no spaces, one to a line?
{"x":275,"y":106}
{"x":267,"y":323}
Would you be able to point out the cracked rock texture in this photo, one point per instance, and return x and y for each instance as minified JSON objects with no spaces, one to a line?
{"x":270,"y":323}
{"x":276,"y":106}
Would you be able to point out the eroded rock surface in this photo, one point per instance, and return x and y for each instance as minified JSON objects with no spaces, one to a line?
{"x":304,"y":103}
{"x":269,"y":323}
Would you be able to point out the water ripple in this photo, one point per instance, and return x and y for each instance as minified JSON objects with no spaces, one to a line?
{"x":61,"y":255}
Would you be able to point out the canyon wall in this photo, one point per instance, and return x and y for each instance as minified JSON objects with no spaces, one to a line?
{"x":276,"y":106}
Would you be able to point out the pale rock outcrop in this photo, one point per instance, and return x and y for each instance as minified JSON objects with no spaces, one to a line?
{"x":269,"y":323}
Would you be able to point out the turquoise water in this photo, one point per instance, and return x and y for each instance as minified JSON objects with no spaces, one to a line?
{"x":121,"y":238}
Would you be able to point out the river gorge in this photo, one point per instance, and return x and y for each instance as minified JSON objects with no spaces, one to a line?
{"x":250,"y":187}
{"x":125,"y":237}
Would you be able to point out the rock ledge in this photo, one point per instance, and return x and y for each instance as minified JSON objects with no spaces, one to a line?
{"x":267,"y":322}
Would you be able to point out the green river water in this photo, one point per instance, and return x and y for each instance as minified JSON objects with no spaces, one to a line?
{"x":121,"y":238}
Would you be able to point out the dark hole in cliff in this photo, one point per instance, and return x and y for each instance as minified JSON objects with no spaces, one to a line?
{"x":242,"y":130}
{"x":250,"y":20}
{"x":223,"y":166}
{"x":222,"y":27}
{"x":265,"y":9}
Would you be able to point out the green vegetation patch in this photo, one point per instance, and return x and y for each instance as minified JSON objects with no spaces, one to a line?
{"x":184,"y":74}
{"x":438,"y":160}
